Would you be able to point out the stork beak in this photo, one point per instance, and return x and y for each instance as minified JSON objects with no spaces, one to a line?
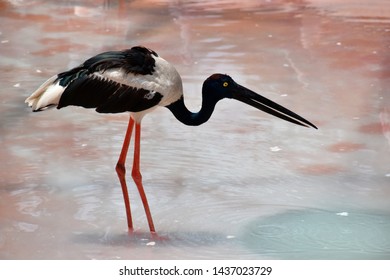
{"x":251,"y":98}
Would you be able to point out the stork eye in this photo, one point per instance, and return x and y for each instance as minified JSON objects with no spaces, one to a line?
{"x":225,"y":84}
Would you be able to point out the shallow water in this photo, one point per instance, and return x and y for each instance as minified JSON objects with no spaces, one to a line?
{"x":243,"y":185}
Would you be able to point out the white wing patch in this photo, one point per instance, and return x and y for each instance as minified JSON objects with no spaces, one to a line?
{"x":150,"y":95}
{"x":164,"y":80}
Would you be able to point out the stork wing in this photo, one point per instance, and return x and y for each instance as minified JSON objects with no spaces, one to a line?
{"x":87,"y":86}
{"x":107,"y":96}
{"x":137,"y":60}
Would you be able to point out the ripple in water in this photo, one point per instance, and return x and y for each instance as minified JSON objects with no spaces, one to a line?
{"x":314,"y":234}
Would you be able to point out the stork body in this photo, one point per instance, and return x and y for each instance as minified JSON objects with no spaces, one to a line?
{"x":136,"y":81}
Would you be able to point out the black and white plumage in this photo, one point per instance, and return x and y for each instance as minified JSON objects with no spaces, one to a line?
{"x":136,"y":81}
{"x":133,"y":80}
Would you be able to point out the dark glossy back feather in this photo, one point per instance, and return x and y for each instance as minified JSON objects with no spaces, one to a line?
{"x":137,"y":60}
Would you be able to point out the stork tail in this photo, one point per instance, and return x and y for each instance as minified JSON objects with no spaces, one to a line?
{"x":47,"y":95}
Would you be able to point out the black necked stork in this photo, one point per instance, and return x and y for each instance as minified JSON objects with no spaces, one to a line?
{"x":137,"y":80}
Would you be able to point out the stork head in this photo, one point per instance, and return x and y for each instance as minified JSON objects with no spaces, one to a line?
{"x":219,"y":86}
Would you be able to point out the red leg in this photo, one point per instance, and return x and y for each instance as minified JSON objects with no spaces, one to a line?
{"x":121,"y":171}
{"x":137,"y":177}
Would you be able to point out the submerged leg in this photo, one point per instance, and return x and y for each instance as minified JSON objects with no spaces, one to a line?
{"x":137,"y":177}
{"x":121,"y":171}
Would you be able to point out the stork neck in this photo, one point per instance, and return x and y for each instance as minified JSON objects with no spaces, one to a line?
{"x":187,"y":117}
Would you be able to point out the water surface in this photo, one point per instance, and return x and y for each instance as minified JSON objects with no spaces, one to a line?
{"x":245,"y":185}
